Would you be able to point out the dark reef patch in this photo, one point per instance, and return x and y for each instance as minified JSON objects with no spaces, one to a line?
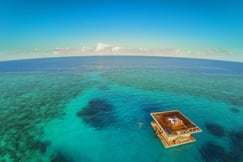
{"x":215,"y":129}
{"x":236,"y":152}
{"x":236,"y":138}
{"x":98,"y":113}
{"x":211,"y":152}
{"x":43,"y":146}
{"x":234,"y":156}
{"x":39,"y":145}
{"x":236,"y":100}
{"x":61,"y":156}
{"x":234,"y":110}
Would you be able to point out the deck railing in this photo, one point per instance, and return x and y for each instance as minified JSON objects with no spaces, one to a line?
{"x":191,"y":130}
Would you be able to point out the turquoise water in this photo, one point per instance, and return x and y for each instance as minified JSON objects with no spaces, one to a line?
{"x":88,"y":109}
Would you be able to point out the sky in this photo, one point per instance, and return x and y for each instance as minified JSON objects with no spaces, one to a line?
{"x":211,"y":29}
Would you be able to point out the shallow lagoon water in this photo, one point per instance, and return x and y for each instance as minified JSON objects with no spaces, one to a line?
{"x":56,"y":109}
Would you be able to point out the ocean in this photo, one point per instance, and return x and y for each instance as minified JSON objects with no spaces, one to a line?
{"x":90,"y":109}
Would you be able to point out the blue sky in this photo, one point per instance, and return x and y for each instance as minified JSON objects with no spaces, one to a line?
{"x":188,"y":25}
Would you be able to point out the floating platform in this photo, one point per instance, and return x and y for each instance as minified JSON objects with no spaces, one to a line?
{"x":173,"y":128}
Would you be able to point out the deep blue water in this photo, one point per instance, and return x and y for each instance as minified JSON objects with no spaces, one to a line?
{"x":94,"y":63}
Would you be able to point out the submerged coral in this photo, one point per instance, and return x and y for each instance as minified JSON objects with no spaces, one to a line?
{"x":237,"y":139}
{"x":98,"y":113}
{"x":215,"y":129}
{"x":234,"y":110}
{"x":211,"y":152}
{"x":61,"y":156}
{"x":28,"y":102}
{"x":43,"y":146}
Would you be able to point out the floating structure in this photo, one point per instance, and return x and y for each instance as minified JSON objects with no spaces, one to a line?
{"x":173,"y":128}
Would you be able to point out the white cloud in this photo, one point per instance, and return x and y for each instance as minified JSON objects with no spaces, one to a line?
{"x":102,"y":47}
{"x":110,"y":49}
{"x":116,"y":48}
{"x":72,"y":51}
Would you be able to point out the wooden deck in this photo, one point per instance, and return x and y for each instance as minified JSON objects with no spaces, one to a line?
{"x":168,"y":144}
{"x":173,"y":128}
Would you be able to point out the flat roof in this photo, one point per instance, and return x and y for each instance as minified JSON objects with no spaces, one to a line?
{"x":163,"y":119}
